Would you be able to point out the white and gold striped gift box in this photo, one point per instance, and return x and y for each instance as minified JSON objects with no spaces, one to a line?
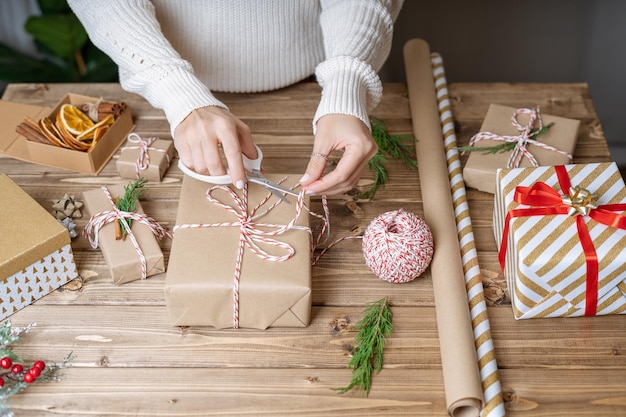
{"x":546,"y":265}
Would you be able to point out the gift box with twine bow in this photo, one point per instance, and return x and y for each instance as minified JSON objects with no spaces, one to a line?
{"x":238,"y":259}
{"x":529,"y":138}
{"x":561,"y":234}
{"x":147,"y":158}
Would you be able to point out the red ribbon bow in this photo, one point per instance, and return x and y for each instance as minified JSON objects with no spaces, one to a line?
{"x":547,"y":201}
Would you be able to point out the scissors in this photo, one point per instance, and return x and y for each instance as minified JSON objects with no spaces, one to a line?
{"x":254,"y":174}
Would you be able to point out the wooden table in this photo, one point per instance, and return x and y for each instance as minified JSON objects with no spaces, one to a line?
{"x":131,"y":361}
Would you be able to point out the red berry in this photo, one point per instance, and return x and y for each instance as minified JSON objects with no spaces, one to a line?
{"x":34,"y":372}
{"x":1,"y":382}
{"x":17,"y":368}
{"x":29,"y":378}
{"x":6,"y":362}
{"x":41,"y":365}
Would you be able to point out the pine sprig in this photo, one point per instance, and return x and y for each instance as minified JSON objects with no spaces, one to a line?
{"x":128,"y":202}
{"x":389,"y":146}
{"x":506,"y":146}
{"x":367,"y":357}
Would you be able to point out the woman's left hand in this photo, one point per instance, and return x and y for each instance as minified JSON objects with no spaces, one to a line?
{"x":338,"y":132}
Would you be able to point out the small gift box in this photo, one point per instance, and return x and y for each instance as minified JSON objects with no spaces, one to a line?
{"x":91,"y":161}
{"x":35,"y":252}
{"x":138,"y":255}
{"x":508,"y":127}
{"x":561,"y":234}
{"x":239,"y":259}
{"x":145,"y":158}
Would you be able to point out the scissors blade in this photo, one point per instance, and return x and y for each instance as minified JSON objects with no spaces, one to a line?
{"x":275,"y":188}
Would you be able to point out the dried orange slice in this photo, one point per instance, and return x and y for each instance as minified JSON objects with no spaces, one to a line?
{"x":69,"y":139}
{"x":89,"y":134}
{"x":73,"y":120}
{"x":51,"y":132}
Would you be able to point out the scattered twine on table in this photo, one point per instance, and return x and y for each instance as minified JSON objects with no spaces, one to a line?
{"x":522,"y":140}
{"x":143,"y":158}
{"x":98,"y":220}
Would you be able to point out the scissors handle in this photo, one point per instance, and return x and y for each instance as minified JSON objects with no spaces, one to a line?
{"x":250,"y":164}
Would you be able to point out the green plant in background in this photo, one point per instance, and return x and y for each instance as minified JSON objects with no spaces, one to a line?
{"x":66,"y":53}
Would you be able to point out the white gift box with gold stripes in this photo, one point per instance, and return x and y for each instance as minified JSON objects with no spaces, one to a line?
{"x":561,"y":235}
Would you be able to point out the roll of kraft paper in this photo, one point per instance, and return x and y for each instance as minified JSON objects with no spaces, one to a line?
{"x":461,"y":377}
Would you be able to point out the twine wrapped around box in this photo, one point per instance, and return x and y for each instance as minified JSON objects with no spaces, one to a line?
{"x":144,"y":166}
{"x":142,"y":237}
{"x":522,"y":140}
{"x":252,"y":232}
{"x":226,"y":276}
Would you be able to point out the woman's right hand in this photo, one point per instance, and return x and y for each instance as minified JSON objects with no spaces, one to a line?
{"x":199,"y":136}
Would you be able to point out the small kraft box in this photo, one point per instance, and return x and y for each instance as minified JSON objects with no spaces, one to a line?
{"x":35,"y":252}
{"x":229,"y":264}
{"x":561,"y":235}
{"x":145,"y":158}
{"x":507,"y":126}
{"x":134,"y":257}
{"x":87,"y":162}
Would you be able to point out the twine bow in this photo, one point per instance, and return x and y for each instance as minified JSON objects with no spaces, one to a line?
{"x":98,"y":220}
{"x":579,"y":204}
{"x":254,"y":233}
{"x":522,"y":140}
{"x":143,"y":158}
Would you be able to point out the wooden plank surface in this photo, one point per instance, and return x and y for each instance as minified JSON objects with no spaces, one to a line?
{"x":131,"y":361}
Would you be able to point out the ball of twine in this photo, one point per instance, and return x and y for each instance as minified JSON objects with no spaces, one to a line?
{"x":398,"y":246}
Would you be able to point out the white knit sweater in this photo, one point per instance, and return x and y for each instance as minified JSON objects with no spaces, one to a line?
{"x":174,"y":52}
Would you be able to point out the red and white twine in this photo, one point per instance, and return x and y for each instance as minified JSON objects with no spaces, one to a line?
{"x":98,"y":220}
{"x":143,"y":158}
{"x":398,"y":246}
{"x":522,"y":140}
{"x":253,"y":233}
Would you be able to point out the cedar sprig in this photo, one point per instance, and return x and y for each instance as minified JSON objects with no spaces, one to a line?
{"x":389,"y":146}
{"x":128,"y":203}
{"x":367,"y":356}
{"x":506,"y":146}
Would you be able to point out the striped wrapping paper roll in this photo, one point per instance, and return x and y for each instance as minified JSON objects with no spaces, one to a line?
{"x":494,"y":402}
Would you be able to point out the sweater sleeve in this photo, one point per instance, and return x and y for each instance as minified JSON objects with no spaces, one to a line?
{"x":128,"y":31}
{"x":357,"y":40}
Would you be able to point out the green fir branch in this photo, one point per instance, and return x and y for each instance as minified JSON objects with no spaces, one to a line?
{"x":507,"y":146}
{"x":367,"y":357}
{"x":128,"y":202}
{"x":389,"y":146}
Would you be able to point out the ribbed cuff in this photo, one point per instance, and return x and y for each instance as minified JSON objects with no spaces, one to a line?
{"x":179,"y":94}
{"x":349,"y":86}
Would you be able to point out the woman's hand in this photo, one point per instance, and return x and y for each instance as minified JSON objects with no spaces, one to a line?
{"x":199,"y":136}
{"x":338,"y":131}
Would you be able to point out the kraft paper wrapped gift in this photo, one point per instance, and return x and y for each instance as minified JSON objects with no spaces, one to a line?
{"x":121,"y":256}
{"x":480,"y":169}
{"x":199,"y":284}
{"x":148,"y":158}
{"x":548,"y":251}
{"x":35,"y":252}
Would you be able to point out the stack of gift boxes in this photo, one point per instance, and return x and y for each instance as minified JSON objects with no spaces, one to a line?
{"x":560,"y":227}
